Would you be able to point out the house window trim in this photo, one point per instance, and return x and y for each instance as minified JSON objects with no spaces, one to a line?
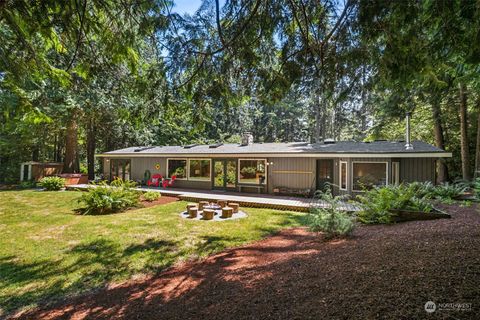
{"x":249,"y":183}
{"x":111,"y":163}
{"x":386,"y":173}
{"x":396,"y":173}
{"x":199,"y":179}
{"x":340,"y":175}
{"x":168,"y":167}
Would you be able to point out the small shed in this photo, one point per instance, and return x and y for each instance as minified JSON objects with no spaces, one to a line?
{"x":37,"y":170}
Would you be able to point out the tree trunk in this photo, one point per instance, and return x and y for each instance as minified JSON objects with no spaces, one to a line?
{"x":91,"y":146}
{"x":71,"y":163}
{"x":318,"y":122}
{"x":442,"y":171}
{"x":36,"y":153}
{"x":465,"y":154}
{"x":477,"y":147}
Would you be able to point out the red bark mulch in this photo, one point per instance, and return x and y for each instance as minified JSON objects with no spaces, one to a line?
{"x":161,"y":200}
{"x":387,"y":272}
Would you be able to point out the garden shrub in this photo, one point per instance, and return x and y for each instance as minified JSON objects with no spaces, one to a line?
{"x":377,"y":204}
{"x":151,"y":196}
{"x":447,"y":191}
{"x":330,"y":219}
{"x":104,"y":199}
{"x":52,"y":183}
{"x":27,"y":184}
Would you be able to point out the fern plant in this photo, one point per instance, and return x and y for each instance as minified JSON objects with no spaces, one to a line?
{"x":329,"y":218}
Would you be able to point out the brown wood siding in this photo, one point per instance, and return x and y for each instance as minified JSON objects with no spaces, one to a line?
{"x":295,"y":172}
{"x":291,"y":173}
{"x":417,"y":169}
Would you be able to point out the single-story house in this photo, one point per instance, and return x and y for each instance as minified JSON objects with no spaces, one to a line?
{"x":284,"y":168}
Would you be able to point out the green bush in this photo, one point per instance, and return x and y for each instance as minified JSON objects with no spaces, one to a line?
{"x":330,"y":219}
{"x":27,"y":184}
{"x":52,"y":183}
{"x":447,"y":191}
{"x":151,"y":196}
{"x":377,"y":204}
{"x":104,"y":199}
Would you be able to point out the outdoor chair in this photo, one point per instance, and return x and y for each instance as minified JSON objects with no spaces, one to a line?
{"x":154,"y":181}
{"x":168,"y":182}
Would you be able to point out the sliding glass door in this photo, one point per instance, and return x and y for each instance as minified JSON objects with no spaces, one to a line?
{"x":224,"y":174}
{"x":120,"y":169}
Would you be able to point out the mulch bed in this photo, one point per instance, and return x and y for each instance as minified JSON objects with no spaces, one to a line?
{"x":161,"y":200}
{"x":384,"y":271}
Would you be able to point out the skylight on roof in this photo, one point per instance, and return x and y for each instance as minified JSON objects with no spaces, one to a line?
{"x":216,"y":145}
{"x":142,"y":149}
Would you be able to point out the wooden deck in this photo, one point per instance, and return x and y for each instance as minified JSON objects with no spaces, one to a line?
{"x":244,"y":199}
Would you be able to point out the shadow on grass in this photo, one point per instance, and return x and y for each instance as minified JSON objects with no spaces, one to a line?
{"x":94,"y":264}
{"x":97,"y":262}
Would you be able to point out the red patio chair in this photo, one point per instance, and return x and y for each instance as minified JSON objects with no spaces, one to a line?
{"x":168,"y":182}
{"x":155,"y":180}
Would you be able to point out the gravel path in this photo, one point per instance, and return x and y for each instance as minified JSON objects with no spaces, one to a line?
{"x":387,"y":272}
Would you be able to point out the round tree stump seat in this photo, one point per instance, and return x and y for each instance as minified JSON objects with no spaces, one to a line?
{"x":208,"y":214}
{"x":191,"y":205}
{"x":192,"y":212}
{"x":227,"y":212}
{"x":222,"y":203}
{"x":234,"y":206}
{"x":202,"y":204}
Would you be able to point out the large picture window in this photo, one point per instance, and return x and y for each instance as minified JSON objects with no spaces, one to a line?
{"x":199,"y":169}
{"x":343,"y":175}
{"x":177,"y":167}
{"x":252,"y":171}
{"x":367,"y":175}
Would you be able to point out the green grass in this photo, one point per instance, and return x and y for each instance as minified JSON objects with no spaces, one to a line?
{"x":48,"y":252}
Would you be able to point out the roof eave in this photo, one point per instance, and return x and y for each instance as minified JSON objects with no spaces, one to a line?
{"x":429,"y":154}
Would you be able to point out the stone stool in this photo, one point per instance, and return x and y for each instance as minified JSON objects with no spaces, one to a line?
{"x":208,"y":214}
{"x":234,"y":206}
{"x":222,"y":203}
{"x":202,"y":204}
{"x":192,"y":212}
{"x":227,"y":212}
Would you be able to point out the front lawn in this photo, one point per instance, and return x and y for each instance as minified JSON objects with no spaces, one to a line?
{"x":48,"y":252}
